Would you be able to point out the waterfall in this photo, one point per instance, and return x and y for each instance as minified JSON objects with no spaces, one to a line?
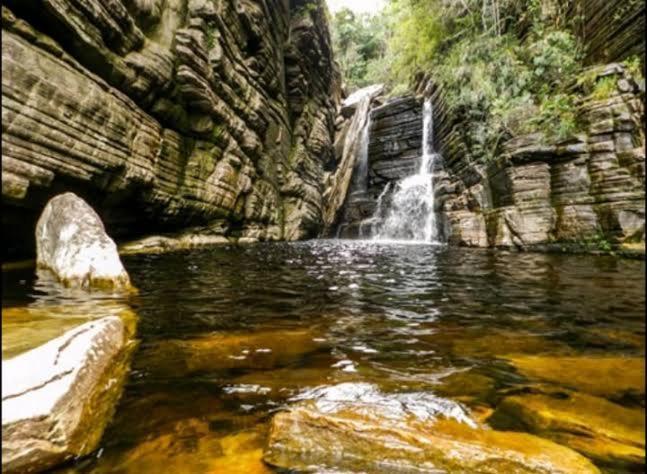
{"x":411,"y":215}
{"x":361,"y":168}
{"x":348,"y":185}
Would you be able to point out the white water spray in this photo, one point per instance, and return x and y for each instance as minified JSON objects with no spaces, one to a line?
{"x":411,"y":215}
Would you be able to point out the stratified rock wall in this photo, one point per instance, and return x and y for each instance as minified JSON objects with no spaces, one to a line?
{"x":165,"y":114}
{"x":587,"y":190}
{"x":612,"y":30}
{"x":584,"y":192}
{"x":395,"y":145}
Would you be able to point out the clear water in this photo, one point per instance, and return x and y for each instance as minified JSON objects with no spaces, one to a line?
{"x":403,"y":317}
{"x":411,"y":214}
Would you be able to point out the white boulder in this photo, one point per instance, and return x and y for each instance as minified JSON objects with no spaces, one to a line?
{"x":58,"y":397}
{"x":71,"y":241}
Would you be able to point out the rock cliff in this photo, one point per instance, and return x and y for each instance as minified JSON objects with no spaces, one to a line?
{"x":165,"y":114}
{"x":584,"y":192}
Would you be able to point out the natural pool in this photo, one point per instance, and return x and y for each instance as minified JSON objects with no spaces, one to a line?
{"x":230,"y":334}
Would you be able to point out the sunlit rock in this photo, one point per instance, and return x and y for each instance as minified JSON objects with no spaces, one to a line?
{"x":25,"y":328}
{"x":505,"y":342}
{"x":354,"y":427}
{"x":604,"y":431}
{"x":474,"y":342}
{"x":190,"y":446}
{"x":465,"y":384}
{"x":612,"y":377}
{"x":163,"y":244}
{"x":350,"y":103}
{"x":58,"y":398}
{"x":71,"y":241}
{"x":261,"y":350}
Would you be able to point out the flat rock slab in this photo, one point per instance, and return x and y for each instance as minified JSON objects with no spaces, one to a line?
{"x":58,"y":397}
{"x":611,"y":377}
{"x":404,"y":433}
{"x":223,"y":351}
{"x":71,"y":241}
{"x":190,"y":446}
{"x":604,"y":431}
{"x":162,"y":244}
{"x":25,"y":328}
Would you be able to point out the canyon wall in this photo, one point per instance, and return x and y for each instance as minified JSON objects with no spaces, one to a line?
{"x":586,"y":191}
{"x":611,"y":30}
{"x":166,"y":114}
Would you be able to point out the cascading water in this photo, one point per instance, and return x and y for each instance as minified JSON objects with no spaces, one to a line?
{"x":411,"y":215}
{"x":360,"y":174}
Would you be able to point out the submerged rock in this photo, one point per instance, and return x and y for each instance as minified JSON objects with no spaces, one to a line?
{"x":355,"y":427}
{"x":604,"y":431}
{"x":191,"y":446}
{"x":612,"y":377}
{"x":162,"y":244}
{"x":58,"y":398}
{"x":25,"y":328}
{"x":71,"y":241}
{"x":262,"y":349}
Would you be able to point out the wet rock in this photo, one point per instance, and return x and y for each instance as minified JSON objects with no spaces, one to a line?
{"x":278,"y":383}
{"x":350,"y":103}
{"x":163,"y":244}
{"x":395,"y":143}
{"x":25,"y":328}
{"x":58,"y":398}
{"x":603,"y":431}
{"x":262,"y":350}
{"x":354,"y":427}
{"x":170,"y":114}
{"x":465,"y":385}
{"x":505,"y":342}
{"x":71,"y":241}
{"x":191,"y":446}
{"x":338,"y":184}
{"x":611,"y":377}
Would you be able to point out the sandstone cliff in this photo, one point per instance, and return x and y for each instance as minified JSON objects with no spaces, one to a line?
{"x":165,"y":114}
{"x":586,"y":192}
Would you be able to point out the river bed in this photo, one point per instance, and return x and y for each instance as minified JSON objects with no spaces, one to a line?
{"x":230,"y":334}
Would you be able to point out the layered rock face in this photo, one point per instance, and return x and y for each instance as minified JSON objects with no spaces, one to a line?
{"x":611,"y":29}
{"x":351,"y":156}
{"x":394,"y":148}
{"x":586,"y":190}
{"x":166,"y":114}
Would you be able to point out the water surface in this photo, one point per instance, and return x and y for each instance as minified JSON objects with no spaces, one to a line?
{"x":230,"y":334}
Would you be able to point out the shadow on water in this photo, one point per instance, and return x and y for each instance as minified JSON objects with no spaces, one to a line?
{"x":229,"y":334}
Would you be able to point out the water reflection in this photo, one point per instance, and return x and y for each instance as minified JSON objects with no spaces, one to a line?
{"x":450,"y":322}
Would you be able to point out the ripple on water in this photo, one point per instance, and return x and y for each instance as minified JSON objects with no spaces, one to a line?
{"x":388,"y":318}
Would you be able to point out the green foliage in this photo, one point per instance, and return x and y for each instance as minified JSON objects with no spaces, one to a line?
{"x":496,"y":80}
{"x":635,"y":67}
{"x":605,"y":88}
{"x":557,"y":116}
{"x":359,"y":42}
{"x":597,"y":241}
